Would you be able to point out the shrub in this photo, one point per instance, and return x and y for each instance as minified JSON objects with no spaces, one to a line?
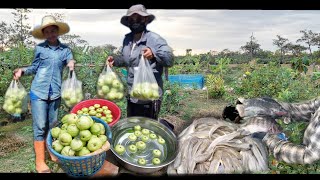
{"x":215,"y":86}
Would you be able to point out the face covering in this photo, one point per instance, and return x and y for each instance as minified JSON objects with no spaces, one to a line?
{"x":137,"y":27}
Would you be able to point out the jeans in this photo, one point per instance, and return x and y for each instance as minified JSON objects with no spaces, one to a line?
{"x":44,"y":116}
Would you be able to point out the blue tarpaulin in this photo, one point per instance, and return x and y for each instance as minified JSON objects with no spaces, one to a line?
{"x":188,"y":80}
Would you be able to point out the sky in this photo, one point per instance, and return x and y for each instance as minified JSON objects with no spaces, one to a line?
{"x":199,"y":30}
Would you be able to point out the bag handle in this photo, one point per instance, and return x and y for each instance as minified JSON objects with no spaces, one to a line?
{"x":105,"y":68}
{"x":143,"y":60}
{"x":15,"y":83}
{"x":70,"y":73}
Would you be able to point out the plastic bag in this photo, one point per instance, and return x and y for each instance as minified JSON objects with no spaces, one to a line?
{"x":71,"y":90}
{"x":110,"y":86}
{"x":145,"y":86}
{"x":16,"y":99}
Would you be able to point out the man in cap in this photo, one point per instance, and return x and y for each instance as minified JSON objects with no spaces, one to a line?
{"x":155,"y":50}
{"x":50,"y":58}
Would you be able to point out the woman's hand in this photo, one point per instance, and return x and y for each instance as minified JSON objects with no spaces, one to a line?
{"x":17,"y":73}
{"x":71,"y":64}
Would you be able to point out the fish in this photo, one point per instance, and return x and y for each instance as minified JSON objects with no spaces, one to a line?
{"x":260,"y":107}
{"x":260,"y":124}
{"x":211,"y":146}
{"x":262,"y":148}
{"x":248,"y":161}
{"x":222,"y":139}
{"x":171,"y":171}
{"x":234,"y":158}
{"x":237,"y":146}
{"x":202,"y":168}
{"x":191,"y":163}
{"x":215,"y":163}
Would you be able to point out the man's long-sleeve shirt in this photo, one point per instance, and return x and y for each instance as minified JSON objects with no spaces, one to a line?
{"x":307,"y":152}
{"x":131,"y":52}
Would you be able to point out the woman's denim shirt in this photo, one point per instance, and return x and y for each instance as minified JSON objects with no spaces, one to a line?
{"x":48,"y":66}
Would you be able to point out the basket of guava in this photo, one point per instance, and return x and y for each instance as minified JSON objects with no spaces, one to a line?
{"x":80,"y":143}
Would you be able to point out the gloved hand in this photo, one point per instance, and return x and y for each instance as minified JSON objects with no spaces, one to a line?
{"x":282,"y":136}
{"x":258,"y":135}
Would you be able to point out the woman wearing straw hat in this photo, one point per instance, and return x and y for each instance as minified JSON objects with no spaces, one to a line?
{"x":153,"y":47}
{"x":50,"y":58}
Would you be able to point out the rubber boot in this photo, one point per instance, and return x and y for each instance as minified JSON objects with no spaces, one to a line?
{"x":39,"y":149}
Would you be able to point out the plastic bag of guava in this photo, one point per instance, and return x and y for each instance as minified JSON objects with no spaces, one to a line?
{"x":109,"y":85}
{"x":71,"y":90}
{"x":145,"y":86}
{"x":15,"y":99}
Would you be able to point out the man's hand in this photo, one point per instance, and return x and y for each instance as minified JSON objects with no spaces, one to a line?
{"x":147,"y":53}
{"x":17,"y":73}
{"x":71,"y":64}
{"x":110,"y":61}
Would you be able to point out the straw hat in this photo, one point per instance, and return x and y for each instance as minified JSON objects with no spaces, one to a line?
{"x":48,"y":21}
{"x":139,"y":9}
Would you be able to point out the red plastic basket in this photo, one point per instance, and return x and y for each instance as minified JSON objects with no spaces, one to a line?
{"x":115,"y":110}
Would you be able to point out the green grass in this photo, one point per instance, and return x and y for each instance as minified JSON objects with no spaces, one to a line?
{"x":196,"y":105}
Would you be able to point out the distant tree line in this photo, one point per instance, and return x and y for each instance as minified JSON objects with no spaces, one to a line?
{"x":286,"y":51}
